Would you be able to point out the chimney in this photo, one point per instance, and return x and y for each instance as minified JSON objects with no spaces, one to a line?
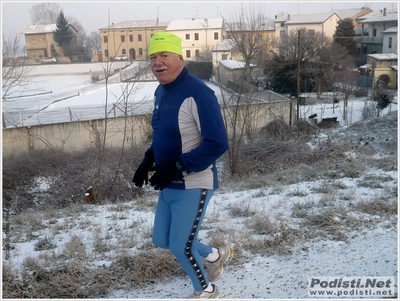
{"x":384,"y":11}
{"x":288,"y":17}
{"x":206,"y":23}
{"x":276,"y":17}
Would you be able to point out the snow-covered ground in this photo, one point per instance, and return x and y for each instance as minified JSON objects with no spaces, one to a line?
{"x":370,"y":251}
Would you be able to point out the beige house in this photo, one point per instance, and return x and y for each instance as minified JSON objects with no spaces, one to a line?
{"x":199,"y":35}
{"x":324,"y":23}
{"x":129,"y":37}
{"x":354,"y":14}
{"x":38,"y":40}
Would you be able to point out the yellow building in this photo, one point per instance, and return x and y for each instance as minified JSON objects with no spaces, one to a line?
{"x":38,"y":41}
{"x":383,"y":64}
{"x":130,"y":38}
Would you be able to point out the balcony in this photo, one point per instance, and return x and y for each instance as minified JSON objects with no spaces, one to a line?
{"x":371,"y":40}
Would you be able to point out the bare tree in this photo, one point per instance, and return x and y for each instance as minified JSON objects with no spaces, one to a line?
{"x":102,"y":186}
{"x":310,"y":44}
{"x":246,"y":30}
{"x":81,"y":33}
{"x":331,"y":58}
{"x":93,"y":41}
{"x":14,"y":71}
{"x":45,"y":13}
{"x":346,"y":82}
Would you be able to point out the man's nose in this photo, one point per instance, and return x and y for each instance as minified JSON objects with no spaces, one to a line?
{"x":158,"y":60}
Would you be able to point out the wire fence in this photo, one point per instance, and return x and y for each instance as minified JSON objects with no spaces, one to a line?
{"x":140,"y":73}
{"x":75,"y":113}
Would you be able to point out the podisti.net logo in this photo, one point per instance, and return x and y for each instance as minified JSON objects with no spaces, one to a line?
{"x":351,"y":287}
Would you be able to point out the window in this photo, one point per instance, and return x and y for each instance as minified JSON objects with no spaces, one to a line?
{"x":197,"y":53}
{"x":131,"y":38}
{"x":140,"y":51}
{"x":196,"y":36}
{"x":270,"y":38}
{"x":139,"y":37}
{"x":187,"y":53}
{"x":390,"y":43}
{"x":374,"y":33}
{"x":123,"y":51}
{"x":224,"y":57}
{"x":215,"y":35}
{"x":122,"y":39}
{"x":106,"y":52}
{"x":105,"y":39}
{"x":187,"y":36}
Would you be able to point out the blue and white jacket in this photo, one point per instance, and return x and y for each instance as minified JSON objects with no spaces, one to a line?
{"x":187,"y":122}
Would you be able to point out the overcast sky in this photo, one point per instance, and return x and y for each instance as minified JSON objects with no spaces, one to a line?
{"x":15,"y":15}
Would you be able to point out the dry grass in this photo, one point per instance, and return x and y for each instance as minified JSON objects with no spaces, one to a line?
{"x":67,"y":177}
{"x":378,"y":206}
{"x":145,"y":267}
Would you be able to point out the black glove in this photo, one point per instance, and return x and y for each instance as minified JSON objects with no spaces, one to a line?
{"x":165,"y":173}
{"x":140,"y":175}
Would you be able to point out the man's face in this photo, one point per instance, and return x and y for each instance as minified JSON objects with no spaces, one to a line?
{"x":166,"y":66}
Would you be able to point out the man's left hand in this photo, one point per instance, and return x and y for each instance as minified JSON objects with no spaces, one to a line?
{"x":165,"y":173}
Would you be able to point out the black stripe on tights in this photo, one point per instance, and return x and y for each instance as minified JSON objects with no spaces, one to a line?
{"x":189,"y":243}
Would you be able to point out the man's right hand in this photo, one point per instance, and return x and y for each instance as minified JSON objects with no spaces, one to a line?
{"x":141,"y":172}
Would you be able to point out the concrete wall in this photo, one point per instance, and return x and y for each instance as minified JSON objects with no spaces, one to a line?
{"x":78,"y":135}
{"x":71,"y":136}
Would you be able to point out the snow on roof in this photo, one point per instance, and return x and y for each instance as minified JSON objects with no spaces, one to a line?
{"x":308,"y":18}
{"x":377,"y":13}
{"x":347,"y":13}
{"x":240,"y":26}
{"x":390,"y":30}
{"x":40,"y":28}
{"x":137,"y":24}
{"x":384,"y":56}
{"x":376,"y":17}
{"x":232,"y":64}
{"x":225,"y":45}
{"x":195,"y":23}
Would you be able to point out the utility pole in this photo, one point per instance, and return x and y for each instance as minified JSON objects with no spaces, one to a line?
{"x":298,"y":75}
